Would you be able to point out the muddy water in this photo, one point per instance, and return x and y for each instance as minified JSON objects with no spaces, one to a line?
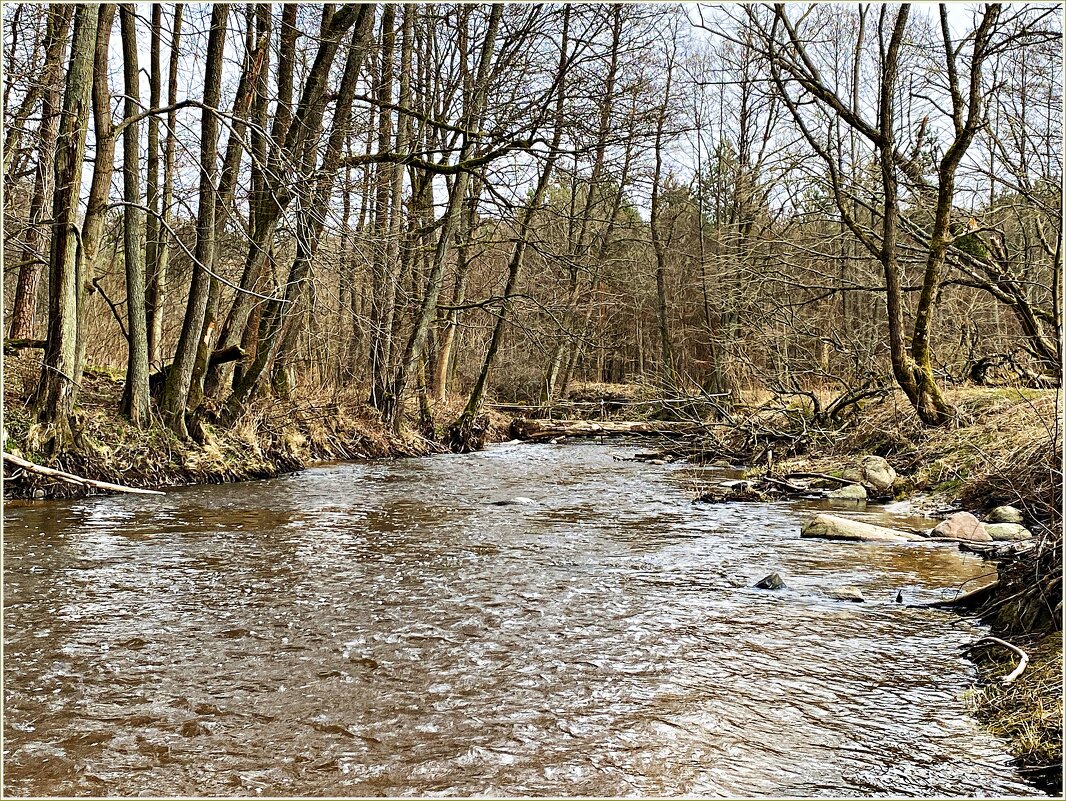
{"x":384,"y":629}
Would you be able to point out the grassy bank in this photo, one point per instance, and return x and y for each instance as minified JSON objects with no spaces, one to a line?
{"x":1028,"y":712}
{"x":272,"y":437}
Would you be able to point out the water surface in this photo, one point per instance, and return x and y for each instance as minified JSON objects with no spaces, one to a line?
{"x":386,"y":629}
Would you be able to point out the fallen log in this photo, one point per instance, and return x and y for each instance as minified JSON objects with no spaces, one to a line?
{"x":530,"y":429}
{"x":967,"y":599}
{"x":824,"y":476}
{"x":15,"y":345}
{"x":70,"y":478}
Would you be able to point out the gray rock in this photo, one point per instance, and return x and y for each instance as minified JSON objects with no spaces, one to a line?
{"x":842,"y":528}
{"x":1005,"y":514}
{"x":962,"y":526}
{"x":771,"y":582}
{"x":1007,"y":532}
{"x":656,"y":461}
{"x":877,"y":473}
{"x":849,"y":593}
{"x":852,"y":474}
{"x":850,"y":492}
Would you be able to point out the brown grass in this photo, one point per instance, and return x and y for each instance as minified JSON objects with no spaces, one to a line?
{"x":272,"y":437}
{"x":1028,"y":713}
{"x":1005,"y":447}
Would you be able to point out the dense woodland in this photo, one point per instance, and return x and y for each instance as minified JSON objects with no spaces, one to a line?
{"x":432,"y":205}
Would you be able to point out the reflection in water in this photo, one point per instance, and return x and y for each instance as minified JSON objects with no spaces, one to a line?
{"x":386,"y":629}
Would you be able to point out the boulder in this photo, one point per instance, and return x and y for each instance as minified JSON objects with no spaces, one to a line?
{"x":841,"y":528}
{"x":877,"y":473}
{"x":1005,"y":514}
{"x":771,"y":582}
{"x":850,"y":492}
{"x":962,"y":526}
{"x":874,"y":473}
{"x":849,"y":593}
{"x":1007,"y":532}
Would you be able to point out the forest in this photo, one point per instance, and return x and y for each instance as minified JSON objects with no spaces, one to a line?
{"x":244,"y":239}
{"x":422,"y":203}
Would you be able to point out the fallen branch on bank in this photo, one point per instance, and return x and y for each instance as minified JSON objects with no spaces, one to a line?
{"x":1023,"y":658}
{"x":527,"y":428}
{"x":70,"y":478}
{"x":823,"y":476}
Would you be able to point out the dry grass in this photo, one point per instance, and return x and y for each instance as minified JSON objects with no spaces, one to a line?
{"x":273,"y":436}
{"x":1005,"y":447}
{"x":1028,"y":713}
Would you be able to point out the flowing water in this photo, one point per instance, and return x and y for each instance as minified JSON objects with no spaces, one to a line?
{"x":387,"y":629}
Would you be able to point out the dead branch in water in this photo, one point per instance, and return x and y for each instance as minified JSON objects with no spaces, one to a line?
{"x":970,"y":598}
{"x":70,"y":478}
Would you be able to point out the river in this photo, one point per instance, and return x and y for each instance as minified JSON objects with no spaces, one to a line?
{"x":387,"y":629}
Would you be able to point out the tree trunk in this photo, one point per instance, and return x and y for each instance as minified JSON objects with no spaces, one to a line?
{"x":135,"y":396}
{"x":179,"y":378}
{"x":54,"y":399}
{"x":158,"y":234}
{"x":462,"y":432}
{"x":27,"y":287}
{"x":393,"y":403}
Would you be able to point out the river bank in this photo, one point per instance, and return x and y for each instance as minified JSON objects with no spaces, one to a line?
{"x":274,"y":437}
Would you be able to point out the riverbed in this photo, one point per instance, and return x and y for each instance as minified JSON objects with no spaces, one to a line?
{"x":408,"y":627}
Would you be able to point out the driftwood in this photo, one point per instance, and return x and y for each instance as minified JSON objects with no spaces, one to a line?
{"x":971,"y":598}
{"x":824,"y":476}
{"x":70,"y":478}
{"x":527,"y":428}
{"x":1023,"y":657}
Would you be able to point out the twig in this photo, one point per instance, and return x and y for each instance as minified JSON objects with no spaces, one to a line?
{"x":114,"y":308}
{"x":967,"y":598}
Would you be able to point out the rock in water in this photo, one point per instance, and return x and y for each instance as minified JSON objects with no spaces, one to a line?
{"x":851,"y":492}
{"x":516,"y":501}
{"x":899,"y":596}
{"x":878,"y":473}
{"x":841,"y":528}
{"x":771,"y":582}
{"x":852,"y":594}
{"x":1005,"y":514}
{"x":1007,"y":532}
{"x":962,"y":526}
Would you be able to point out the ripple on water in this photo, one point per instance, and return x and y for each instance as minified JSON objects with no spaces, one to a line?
{"x":386,"y":629}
